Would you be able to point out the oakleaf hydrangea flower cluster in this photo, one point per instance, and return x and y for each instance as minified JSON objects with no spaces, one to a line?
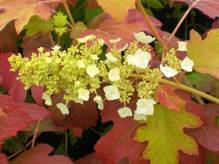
{"x":85,"y":71}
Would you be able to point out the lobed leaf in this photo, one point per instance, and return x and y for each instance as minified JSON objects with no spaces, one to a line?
{"x":22,"y":10}
{"x":119,"y":142}
{"x":165,"y":136}
{"x":205,"y":53}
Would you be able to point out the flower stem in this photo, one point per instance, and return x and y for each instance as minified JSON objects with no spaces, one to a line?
{"x":65,"y":4}
{"x":190,"y":90}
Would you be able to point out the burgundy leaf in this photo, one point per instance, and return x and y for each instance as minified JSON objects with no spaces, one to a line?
{"x":208,"y":7}
{"x":39,"y":155}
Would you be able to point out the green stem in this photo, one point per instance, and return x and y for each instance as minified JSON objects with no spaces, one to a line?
{"x":190,"y":90}
{"x":65,"y":4}
{"x":66,"y":142}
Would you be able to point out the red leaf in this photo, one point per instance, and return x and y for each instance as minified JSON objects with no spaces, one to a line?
{"x":15,"y":88}
{"x":31,"y":44}
{"x":89,"y":159}
{"x":17,"y":116}
{"x":208,"y":7}
{"x":37,"y":93}
{"x":208,"y":134}
{"x":119,"y":142}
{"x":39,"y":155}
{"x":3,"y":159}
{"x":166,"y":96}
{"x":81,"y":116}
{"x":192,"y":159}
{"x":111,"y":29}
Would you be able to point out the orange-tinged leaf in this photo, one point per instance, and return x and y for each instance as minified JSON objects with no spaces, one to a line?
{"x":117,"y":9}
{"x":205,"y":53}
{"x":22,"y":10}
{"x":166,"y":95}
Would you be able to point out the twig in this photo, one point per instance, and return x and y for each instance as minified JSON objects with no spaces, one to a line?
{"x":21,"y":150}
{"x":35,"y":134}
{"x":181,"y":21}
{"x":65,"y":4}
{"x":183,"y":87}
{"x":150,"y":25}
{"x":190,"y":90}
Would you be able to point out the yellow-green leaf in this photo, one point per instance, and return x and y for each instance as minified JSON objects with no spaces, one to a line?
{"x":205,"y":52}
{"x":118,"y":9}
{"x":165,"y":136}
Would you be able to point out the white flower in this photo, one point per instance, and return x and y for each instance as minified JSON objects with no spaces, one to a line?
{"x":143,"y":38}
{"x":115,"y":40}
{"x":92,"y":70}
{"x":99,"y":101}
{"x":140,"y":59}
{"x":80,"y":64}
{"x":139,"y":117}
{"x":111,"y":92}
{"x":94,"y":57}
{"x":83,"y":94}
{"x":125,"y":112}
{"x":187,"y":64}
{"x":63,"y":108}
{"x":86,"y":38}
{"x":101,"y":41}
{"x":41,"y":49}
{"x":168,"y":71}
{"x":110,"y":57}
{"x":47,"y":98}
{"x":145,"y":106}
{"x":182,"y":46}
{"x":56,"y":48}
{"x":114,"y":74}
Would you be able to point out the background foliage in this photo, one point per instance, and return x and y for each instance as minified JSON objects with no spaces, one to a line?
{"x":30,"y":132}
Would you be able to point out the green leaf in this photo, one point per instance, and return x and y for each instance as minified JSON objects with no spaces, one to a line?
{"x":165,"y":136}
{"x":91,"y":13}
{"x":60,"y":30}
{"x":60,"y":20}
{"x":36,"y":24}
{"x":156,"y":4}
{"x":205,"y":53}
{"x":201,"y":81}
